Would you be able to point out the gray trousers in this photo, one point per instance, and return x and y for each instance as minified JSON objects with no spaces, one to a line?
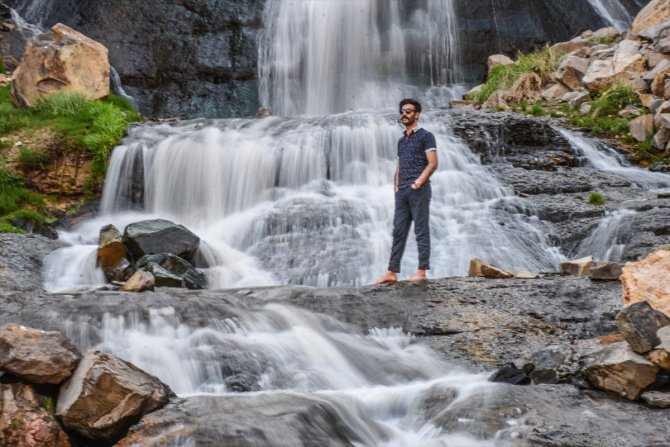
{"x":411,"y":205}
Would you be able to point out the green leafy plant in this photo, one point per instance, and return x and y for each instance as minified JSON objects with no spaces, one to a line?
{"x":537,"y":110}
{"x":610,"y":102}
{"x":596,"y":198}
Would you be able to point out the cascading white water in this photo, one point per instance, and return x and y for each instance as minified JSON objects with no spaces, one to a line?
{"x":606,"y":159}
{"x":605,"y":243}
{"x":310,"y":200}
{"x":613,"y":12}
{"x":380,"y":381}
{"x":329,"y":56}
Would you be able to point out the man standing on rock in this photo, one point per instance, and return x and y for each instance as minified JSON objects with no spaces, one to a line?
{"x":417,"y":160}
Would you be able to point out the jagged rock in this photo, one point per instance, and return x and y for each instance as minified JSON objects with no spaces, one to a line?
{"x":642,"y":127}
{"x":658,"y":82}
{"x":571,"y":71}
{"x":653,"y":59}
{"x":112,"y":254}
{"x":571,"y":46}
{"x":509,"y":373}
{"x":26,"y":423}
{"x":617,"y":368}
{"x":490,"y":271}
{"x":497,"y":100}
{"x":607,"y":33}
{"x":262,"y":112}
{"x":647,"y":280}
{"x":61,"y":60}
{"x":660,"y":357}
{"x":661,"y":138}
{"x":662,"y":46}
{"x":656,"y":399}
{"x":656,"y":12}
{"x":106,"y":395}
{"x":497,"y":59}
{"x":35,"y":355}
{"x":150,"y":237}
{"x":638,"y":323}
{"x":576,"y":267}
{"x":139,"y":282}
{"x":527,"y":275}
{"x":603,"y":73}
{"x":605,"y":271}
{"x":176,"y":267}
{"x":576,"y":98}
{"x":554,"y":92}
{"x":663,"y":335}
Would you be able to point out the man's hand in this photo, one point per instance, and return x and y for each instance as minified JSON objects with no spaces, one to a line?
{"x":415,"y":185}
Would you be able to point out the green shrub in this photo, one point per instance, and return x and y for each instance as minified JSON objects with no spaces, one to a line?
{"x":537,"y":110}
{"x":596,"y":198}
{"x":62,"y":104}
{"x":504,"y":76}
{"x":3,"y":70}
{"x":6,"y":227}
{"x":14,"y":194}
{"x":31,"y":160}
{"x":610,"y":102}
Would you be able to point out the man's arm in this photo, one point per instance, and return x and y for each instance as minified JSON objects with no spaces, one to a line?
{"x":431,"y":155}
{"x":397,"y":174}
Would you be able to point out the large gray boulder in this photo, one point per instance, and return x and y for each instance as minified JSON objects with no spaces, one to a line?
{"x":618,"y":369}
{"x":35,"y":355}
{"x":150,"y":237}
{"x":106,"y":395}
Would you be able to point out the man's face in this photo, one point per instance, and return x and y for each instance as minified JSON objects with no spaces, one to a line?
{"x":408,"y":114}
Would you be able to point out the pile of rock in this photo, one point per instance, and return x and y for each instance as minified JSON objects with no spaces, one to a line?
{"x":601,"y":271}
{"x":638,"y":367}
{"x":639,"y":60}
{"x":150,"y":253}
{"x":47,"y":389}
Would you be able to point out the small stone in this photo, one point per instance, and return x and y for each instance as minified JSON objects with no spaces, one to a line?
{"x":490,"y":271}
{"x":577,"y":267}
{"x":642,"y":127}
{"x":527,"y":275}
{"x":605,"y":271}
{"x":509,"y":373}
{"x":139,"y":282}
{"x":660,"y":358}
{"x":656,"y":399}
{"x":497,"y":59}
{"x":475,"y":267}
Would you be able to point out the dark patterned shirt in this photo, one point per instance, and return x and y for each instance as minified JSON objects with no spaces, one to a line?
{"x":412,"y":155}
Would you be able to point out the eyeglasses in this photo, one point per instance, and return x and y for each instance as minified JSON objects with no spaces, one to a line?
{"x":406,"y":111}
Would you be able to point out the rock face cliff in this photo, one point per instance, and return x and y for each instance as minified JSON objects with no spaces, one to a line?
{"x":198,"y":59}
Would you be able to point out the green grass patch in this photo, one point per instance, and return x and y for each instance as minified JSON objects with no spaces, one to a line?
{"x":3,"y":70}
{"x":596,"y":198}
{"x":31,"y":160}
{"x":610,"y":102}
{"x":504,"y":76}
{"x":49,"y":403}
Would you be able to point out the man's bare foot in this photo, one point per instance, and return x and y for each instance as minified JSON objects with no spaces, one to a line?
{"x":420,"y":275}
{"x":389,"y":278}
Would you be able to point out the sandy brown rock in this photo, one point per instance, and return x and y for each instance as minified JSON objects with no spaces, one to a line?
{"x":660,"y":357}
{"x":577,"y":267}
{"x":61,"y":60}
{"x":112,"y":254}
{"x":139,"y":282}
{"x":642,"y":127}
{"x":106,"y":395}
{"x":618,"y":369}
{"x":24,"y":422}
{"x":647,"y":280}
{"x":35,"y":355}
{"x":490,"y":271}
{"x":656,"y":12}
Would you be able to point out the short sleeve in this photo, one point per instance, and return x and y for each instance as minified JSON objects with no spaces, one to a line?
{"x":429,"y":142}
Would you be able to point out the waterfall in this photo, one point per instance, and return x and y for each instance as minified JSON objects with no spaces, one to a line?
{"x":329,"y":56}
{"x":310,"y":200}
{"x":608,"y":240}
{"x":613,"y":12}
